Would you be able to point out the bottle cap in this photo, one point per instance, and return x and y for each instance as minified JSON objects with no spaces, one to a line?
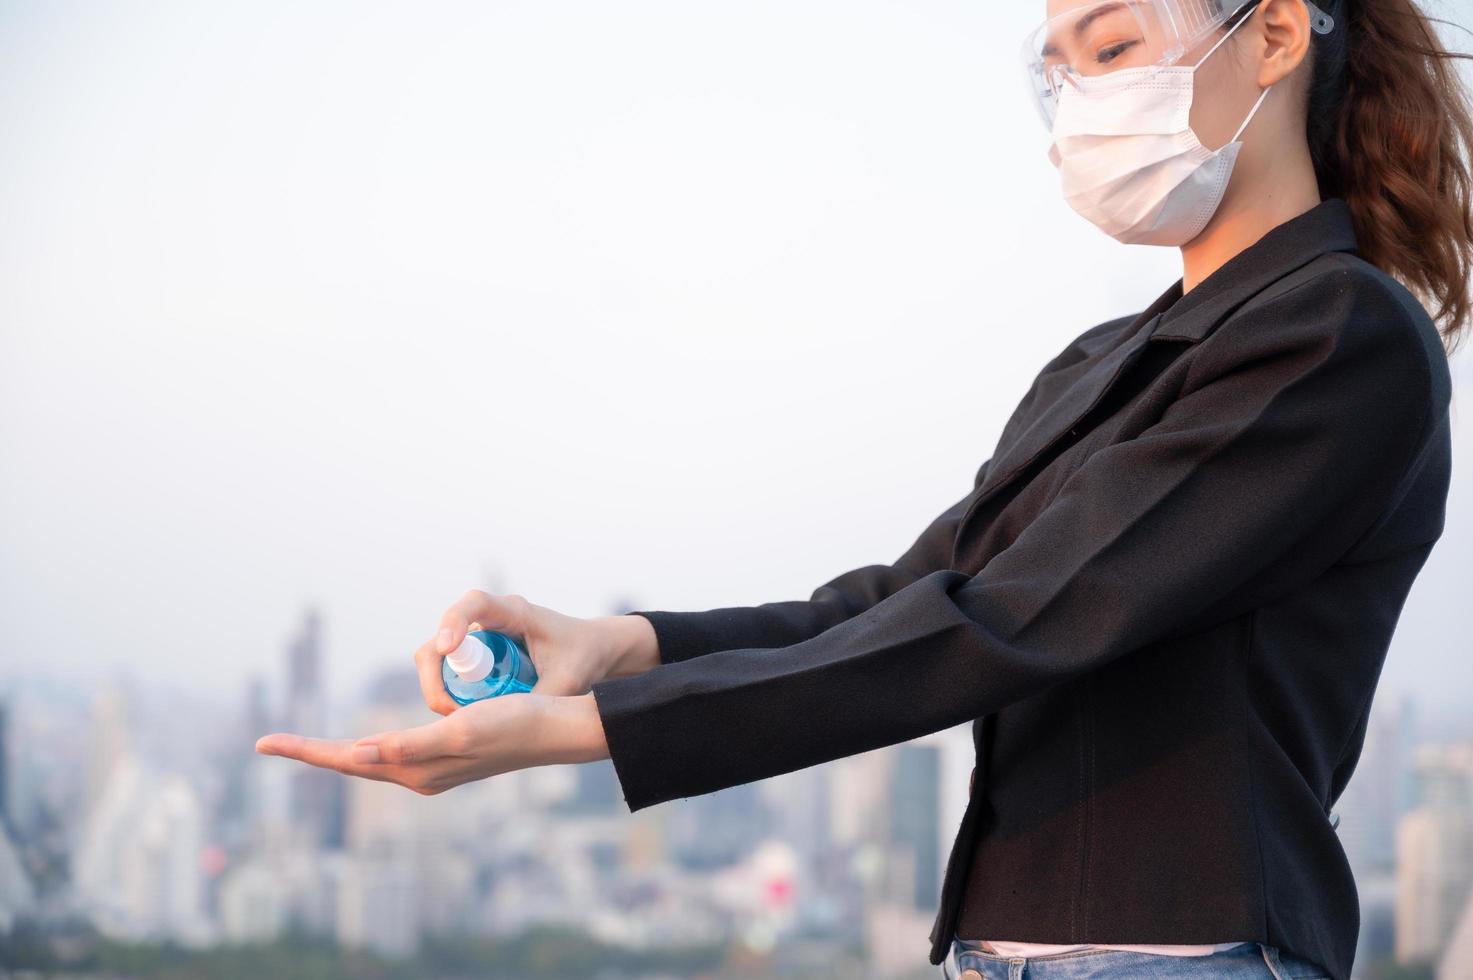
{"x":472,"y":660}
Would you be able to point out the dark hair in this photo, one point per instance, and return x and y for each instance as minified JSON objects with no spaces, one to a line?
{"x":1390,"y":131}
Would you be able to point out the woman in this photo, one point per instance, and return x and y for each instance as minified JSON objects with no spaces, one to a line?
{"x":1166,"y":598}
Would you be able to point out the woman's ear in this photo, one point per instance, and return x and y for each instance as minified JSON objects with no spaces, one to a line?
{"x":1284,"y":28}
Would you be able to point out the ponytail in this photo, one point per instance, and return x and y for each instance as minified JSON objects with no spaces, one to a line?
{"x":1390,"y":130}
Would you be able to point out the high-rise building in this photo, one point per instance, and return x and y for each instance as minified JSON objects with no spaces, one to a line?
{"x":913,"y":845}
{"x":378,"y":905}
{"x":305,"y":698}
{"x":17,"y":894}
{"x":799,"y":803}
{"x":596,"y":789}
{"x":1434,"y":853}
{"x":858,"y":786}
{"x":236,"y":808}
{"x":258,"y":717}
{"x":1377,"y":939}
{"x":717,"y":829}
{"x":5,"y":766}
{"x":137,"y":864}
{"x":317,"y":794}
{"x":26,"y":719}
{"x":1457,"y":959}
{"x":1378,"y":792}
{"x":110,"y":741}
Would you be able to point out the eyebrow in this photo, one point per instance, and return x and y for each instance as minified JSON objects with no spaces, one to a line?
{"x":1084,"y":22}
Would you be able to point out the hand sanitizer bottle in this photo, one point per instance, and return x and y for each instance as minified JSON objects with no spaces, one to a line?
{"x":485,"y":665}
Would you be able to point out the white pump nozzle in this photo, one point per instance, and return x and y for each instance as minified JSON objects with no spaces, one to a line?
{"x":472,"y":660}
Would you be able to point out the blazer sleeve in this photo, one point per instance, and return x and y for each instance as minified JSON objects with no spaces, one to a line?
{"x":683,"y":635}
{"x":1289,"y":438}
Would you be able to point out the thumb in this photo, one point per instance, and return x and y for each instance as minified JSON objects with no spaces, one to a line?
{"x":503,"y":613}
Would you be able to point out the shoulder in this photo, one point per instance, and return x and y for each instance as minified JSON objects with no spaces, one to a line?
{"x":1334,"y":311}
{"x":1386,"y":304}
{"x":1340,"y":296}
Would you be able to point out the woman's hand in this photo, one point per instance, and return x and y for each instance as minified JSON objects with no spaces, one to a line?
{"x":569,"y":653}
{"x":485,"y":738}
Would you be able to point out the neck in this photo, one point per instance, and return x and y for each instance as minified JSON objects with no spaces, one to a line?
{"x":1262,"y":195}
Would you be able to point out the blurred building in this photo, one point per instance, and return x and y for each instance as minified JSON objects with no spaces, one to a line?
{"x":19,"y":806}
{"x":1378,"y":794}
{"x":253,"y":902}
{"x":305,"y":698}
{"x":717,"y":829}
{"x":110,"y":741}
{"x":7,"y":770}
{"x":17,"y":894}
{"x":136,"y":867}
{"x":596,"y":790}
{"x":1434,"y":852}
{"x":379,"y":904}
{"x":317,"y":794}
{"x":916,"y":825}
{"x":1380,"y":790}
{"x":1457,"y":959}
{"x":800,"y":806}
{"x":1377,"y":940}
{"x":238,"y":816}
{"x":913,"y":845}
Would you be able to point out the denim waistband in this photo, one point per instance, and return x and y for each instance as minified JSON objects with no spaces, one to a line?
{"x":1250,"y":960}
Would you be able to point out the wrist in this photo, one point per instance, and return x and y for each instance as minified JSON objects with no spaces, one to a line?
{"x":636,"y":647}
{"x":576,"y":730}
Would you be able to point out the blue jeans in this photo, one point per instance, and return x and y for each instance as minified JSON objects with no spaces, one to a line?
{"x":1249,"y":961}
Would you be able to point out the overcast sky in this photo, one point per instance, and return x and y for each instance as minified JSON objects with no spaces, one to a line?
{"x":365,"y":304}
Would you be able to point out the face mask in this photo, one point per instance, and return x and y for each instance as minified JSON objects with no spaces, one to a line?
{"x":1128,"y":159}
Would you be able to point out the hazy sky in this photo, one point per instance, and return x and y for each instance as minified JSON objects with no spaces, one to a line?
{"x":366,"y":304}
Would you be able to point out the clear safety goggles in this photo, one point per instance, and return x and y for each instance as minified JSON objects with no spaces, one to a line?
{"x":1096,"y":37}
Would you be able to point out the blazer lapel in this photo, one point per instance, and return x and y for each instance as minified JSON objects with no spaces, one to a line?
{"x":1172,"y":317}
{"x":1063,"y":413}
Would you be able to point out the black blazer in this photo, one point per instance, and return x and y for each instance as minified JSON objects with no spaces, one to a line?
{"x":1164,"y":603}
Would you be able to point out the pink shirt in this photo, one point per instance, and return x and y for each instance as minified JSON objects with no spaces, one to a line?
{"x":1048,"y":949}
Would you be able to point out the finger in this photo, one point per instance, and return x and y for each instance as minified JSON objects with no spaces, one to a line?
{"x":335,"y":754}
{"x":409,"y":747}
{"x":324,"y":752}
{"x":503,"y":613}
{"x":430,"y":666}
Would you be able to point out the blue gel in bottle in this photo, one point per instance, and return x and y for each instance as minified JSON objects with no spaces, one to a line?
{"x":485,"y":665}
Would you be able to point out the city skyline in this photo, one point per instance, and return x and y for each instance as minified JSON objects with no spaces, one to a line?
{"x":154,"y":834}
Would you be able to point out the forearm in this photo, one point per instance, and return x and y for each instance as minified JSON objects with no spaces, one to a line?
{"x":681,"y":635}
{"x":646,"y":639}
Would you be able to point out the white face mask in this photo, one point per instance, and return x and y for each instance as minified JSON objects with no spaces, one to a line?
{"x":1128,"y":159}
